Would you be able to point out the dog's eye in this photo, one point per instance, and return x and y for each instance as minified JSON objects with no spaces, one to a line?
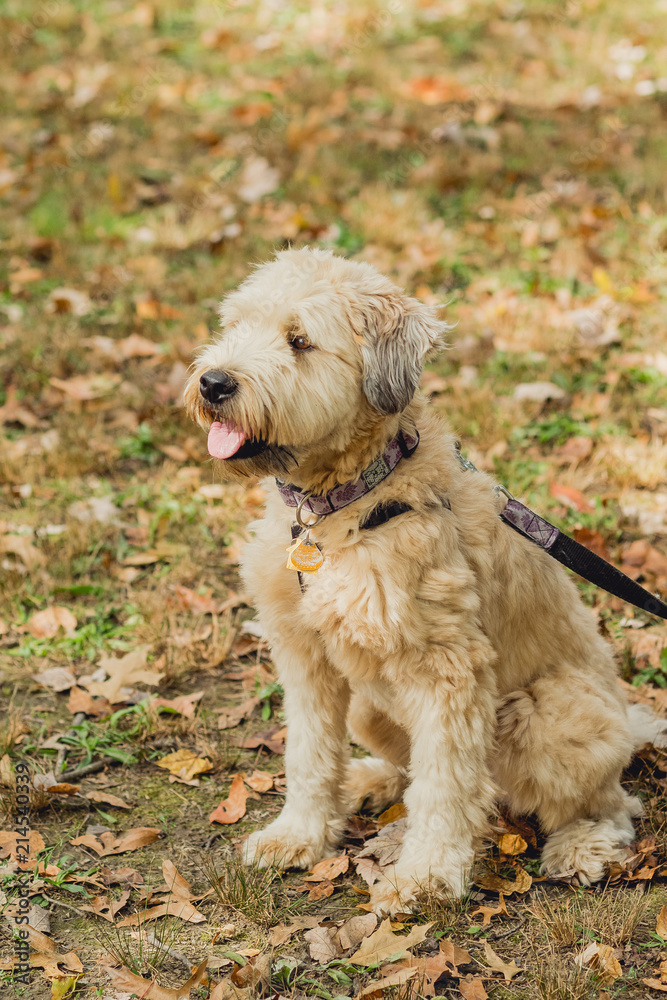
{"x":300,"y":343}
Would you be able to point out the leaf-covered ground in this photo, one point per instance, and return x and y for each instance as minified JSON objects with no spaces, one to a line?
{"x":506,"y":159}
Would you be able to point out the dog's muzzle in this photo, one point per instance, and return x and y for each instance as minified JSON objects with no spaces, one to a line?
{"x":216,"y":386}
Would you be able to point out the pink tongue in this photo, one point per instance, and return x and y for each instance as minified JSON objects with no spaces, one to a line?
{"x":224,"y":440}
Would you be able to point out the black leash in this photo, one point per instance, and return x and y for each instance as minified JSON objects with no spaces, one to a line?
{"x":577,"y":557}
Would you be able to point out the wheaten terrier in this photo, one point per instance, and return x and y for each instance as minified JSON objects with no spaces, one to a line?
{"x":456,"y":651}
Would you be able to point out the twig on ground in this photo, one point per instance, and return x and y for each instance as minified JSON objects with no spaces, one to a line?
{"x":81,"y":772}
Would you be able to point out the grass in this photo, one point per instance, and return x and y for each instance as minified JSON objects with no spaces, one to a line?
{"x":128,"y":131}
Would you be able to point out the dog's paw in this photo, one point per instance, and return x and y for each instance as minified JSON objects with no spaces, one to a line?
{"x":585,"y":848}
{"x":284,"y":847}
{"x":400,"y":890}
{"x":394,"y":894}
{"x":373,"y":781}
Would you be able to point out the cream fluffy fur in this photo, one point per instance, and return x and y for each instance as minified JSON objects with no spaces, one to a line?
{"x":454,"y":650}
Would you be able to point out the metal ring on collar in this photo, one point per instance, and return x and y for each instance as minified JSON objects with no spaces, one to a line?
{"x":304,"y":524}
{"x":499,"y":488}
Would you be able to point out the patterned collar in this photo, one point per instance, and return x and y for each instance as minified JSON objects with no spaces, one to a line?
{"x":402,"y":446}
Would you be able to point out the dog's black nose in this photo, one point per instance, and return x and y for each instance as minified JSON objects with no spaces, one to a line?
{"x":217,"y":385}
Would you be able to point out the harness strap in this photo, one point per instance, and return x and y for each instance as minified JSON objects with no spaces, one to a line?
{"x":577,"y":557}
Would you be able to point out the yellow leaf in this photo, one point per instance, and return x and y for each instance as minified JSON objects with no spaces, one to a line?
{"x":661,"y":923}
{"x":397,"y":811}
{"x":511,"y":843}
{"x":603,"y":281}
{"x":384,"y":943}
{"x":184,"y":764}
{"x":61,"y":988}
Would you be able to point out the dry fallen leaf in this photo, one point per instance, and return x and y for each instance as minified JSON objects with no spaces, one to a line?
{"x":661,"y":923}
{"x":472,"y":989}
{"x":123,"y":672}
{"x":511,"y":843}
{"x":148,"y":989}
{"x":488,"y":911}
{"x":81,"y":700}
{"x":184,"y":764}
{"x":235,"y":716}
{"x":231,"y":809}
{"x":106,"y":798}
{"x":328,"y":869}
{"x":570,"y":497}
{"x":45,"y":956}
{"x":86,"y":387}
{"x":260,"y":781}
{"x":496,"y":883}
{"x":183,"y":704}
{"x":384,"y":943}
{"x":45,"y":624}
{"x":10,"y":849}
{"x":601,"y":958}
{"x":508,"y":969}
{"x":386,"y":847}
{"x":390,"y":815}
{"x":108,"y":843}
{"x":56,"y":678}
{"x":388,"y":982}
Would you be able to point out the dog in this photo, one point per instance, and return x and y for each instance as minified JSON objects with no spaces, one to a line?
{"x":452,"y":648}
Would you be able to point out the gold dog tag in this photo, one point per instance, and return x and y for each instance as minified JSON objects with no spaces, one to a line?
{"x":304,"y":555}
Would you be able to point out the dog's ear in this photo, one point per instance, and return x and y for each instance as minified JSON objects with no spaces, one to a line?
{"x":399,"y":336}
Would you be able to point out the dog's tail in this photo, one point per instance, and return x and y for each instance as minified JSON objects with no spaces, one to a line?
{"x":646,"y":727}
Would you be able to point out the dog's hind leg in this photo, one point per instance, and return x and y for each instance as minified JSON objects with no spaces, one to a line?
{"x":380,"y":780}
{"x":562,"y":745}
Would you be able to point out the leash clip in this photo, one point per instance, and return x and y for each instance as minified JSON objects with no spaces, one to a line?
{"x":299,"y":521}
{"x":499,"y":488}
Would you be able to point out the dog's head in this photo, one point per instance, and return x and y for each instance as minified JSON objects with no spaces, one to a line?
{"x":315,"y":349}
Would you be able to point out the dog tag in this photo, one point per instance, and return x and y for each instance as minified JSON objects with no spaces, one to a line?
{"x":304,"y":555}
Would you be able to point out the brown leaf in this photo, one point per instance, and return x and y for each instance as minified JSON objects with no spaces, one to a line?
{"x":81,"y":700}
{"x":152,"y":309}
{"x":322,"y":944}
{"x":273,"y":740}
{"x":200,"y":604}
{"x":45,"y":956}
{"x":86,"y":387}
{"x":575,"y":449}
{"x":148,"y":989}
{"x":593,"y":540}
{"x":184,"y":764}
{"x":124,"y":671}
{"x":508,"y":969}
{"x":46,"y":624}
{"x":107,"y":843}
{"x":472,"y":988}
{"x":180,"y":908}
{"x":496,"y":883}
{"x":9,"y":848}
{"x":231,"y":809}
{"x":107,"y":799}
{"x":260,"y":781}
{"x":368,"y":869}
{"x":184,"y":704}
{"x":328,"y":869}
{"x":402,"y":975}
{"x":656,"y":984}
{"x":20,"y":546}
{"x":318,"y":891}
{"x":570,"y":497}
{"x":488,"y":911}
{"x":384,"y":943}
{"x":235,"y":716}
{"x":386,"y":847}
{"x":661,"y":923}
{"x":106,"y":907}
{"x":63,"y":788}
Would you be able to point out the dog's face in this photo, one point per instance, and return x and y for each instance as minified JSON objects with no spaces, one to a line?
{"x":315,"y":349}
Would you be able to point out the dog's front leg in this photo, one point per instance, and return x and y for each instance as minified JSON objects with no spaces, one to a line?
{"x":451,"y":726}
{"x":312,"y":820}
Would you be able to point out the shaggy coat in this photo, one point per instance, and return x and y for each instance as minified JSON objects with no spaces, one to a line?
{"x":454,"y":650}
